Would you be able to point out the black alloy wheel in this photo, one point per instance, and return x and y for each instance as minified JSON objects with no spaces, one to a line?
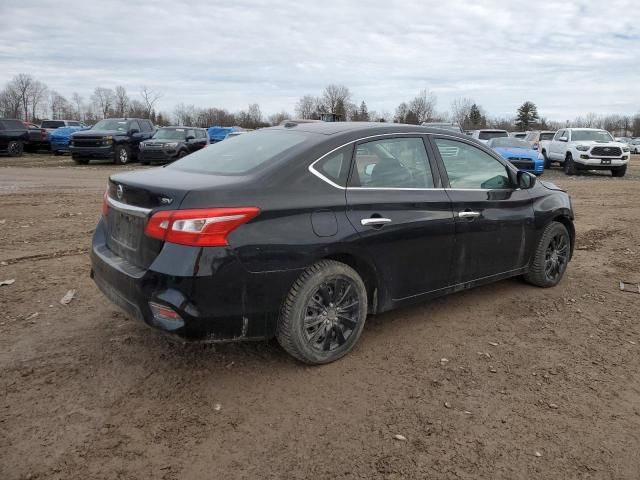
{"x":551,"y":256}
{"x":556,"y":257}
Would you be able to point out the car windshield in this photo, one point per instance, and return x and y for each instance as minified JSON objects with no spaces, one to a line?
{"x":509,"y":143}
{"x":111,"y":124}
{"x":245,"y":153}
{"x":52,"y":123}
{"x":171,"y":134}
{"x":489,"y":134}
{"x":546,"y":135}
{"x":591,"y":135}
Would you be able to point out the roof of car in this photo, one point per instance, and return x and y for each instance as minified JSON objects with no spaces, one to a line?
{"x":331,"y":128}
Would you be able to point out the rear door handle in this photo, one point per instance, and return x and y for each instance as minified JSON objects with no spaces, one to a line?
{"x":374,"y":221}
{"x":468,"y":214}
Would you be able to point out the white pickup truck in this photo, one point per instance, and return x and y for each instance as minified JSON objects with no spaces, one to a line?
{"x":588,"y":149}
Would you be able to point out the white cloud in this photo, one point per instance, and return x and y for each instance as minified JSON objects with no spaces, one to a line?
{"x":569,"y":58}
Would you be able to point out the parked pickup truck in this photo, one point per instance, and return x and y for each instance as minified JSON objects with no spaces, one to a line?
{"x":588,"y":149}
{"x":13,"y":136}
{"x":117,"y":139}
{"x":59,"y":139}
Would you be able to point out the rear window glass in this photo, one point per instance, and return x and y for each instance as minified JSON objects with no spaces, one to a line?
{"x":546,"y":136}
{"x":52,"y":124}
{"x":488,"y":135}
{"x":241,"y":155}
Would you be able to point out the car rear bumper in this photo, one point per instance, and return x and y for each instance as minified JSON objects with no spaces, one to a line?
{"x":92,"y":152}
{"x":216,"y":298}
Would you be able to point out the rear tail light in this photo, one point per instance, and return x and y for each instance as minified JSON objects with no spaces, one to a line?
{"x":207,"y":227}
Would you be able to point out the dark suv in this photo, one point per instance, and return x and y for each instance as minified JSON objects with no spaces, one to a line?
{"x":13,"y":136}
{"x":111,"y":138}
{"x":171,"y":143}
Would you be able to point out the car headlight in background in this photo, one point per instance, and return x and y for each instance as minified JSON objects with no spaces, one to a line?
{"x":582,"y":148}
{"x":108,"y":139}
{"x":142,"y":145}
{"x":626,"y":149}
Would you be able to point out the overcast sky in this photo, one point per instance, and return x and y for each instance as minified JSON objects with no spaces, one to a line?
{"x":567,"y":57}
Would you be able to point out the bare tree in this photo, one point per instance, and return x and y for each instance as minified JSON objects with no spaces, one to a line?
{"x":307,"y":107}
{"x":78,"y":102}
{"x":149,"y":98}
{"x":121,"y":101}
{"x":423,"y":105}
{"x":22,"y":84}
{"x":103,"y":98}
{"x":335,"y":98}
{"x":59,"y":106}
{"x":10,"y":102}
{"x":38,"y":96}
{"x":461,"y":109}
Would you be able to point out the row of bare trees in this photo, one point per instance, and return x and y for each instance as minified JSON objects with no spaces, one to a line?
{"x":24,"y":97}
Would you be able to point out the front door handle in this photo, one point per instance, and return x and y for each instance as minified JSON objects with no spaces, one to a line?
{"x":374,"y":221}
{"x":468,"y":214}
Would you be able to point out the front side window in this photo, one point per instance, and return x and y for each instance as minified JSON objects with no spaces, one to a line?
{"x":392,"y":163}
{"x":134,"y":126}
{"x":468,"y":167}
{"x":559,"y":134}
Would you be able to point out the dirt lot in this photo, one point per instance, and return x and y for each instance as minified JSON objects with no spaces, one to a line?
{"x":538,"y":383}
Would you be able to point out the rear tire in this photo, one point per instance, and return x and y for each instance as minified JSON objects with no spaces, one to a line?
{"x":619,"y":172}
{"x":58,"y":153}
{"x":324,"y":313}
{"x":121,"y":155}
{"x":15,"y":148}
{"x":547,"y":162}
{"x":551,"y":257}
{"x":569,"y":165}
{"x":183,"y":154}
{"x":80,"y":160}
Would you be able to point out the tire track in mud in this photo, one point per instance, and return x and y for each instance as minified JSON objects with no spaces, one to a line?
{"x":47,"y":256}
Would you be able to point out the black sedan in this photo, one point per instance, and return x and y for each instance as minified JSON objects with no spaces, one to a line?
{"x":301,"y":231}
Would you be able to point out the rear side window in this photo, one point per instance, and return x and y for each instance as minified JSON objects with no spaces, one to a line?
{"x":73,"y":124}
{"x":392,"y":163}
{"x":13,"y":125}
{"x":146,"y":126}
{"x":335,"y":166}
{"x":52,"y":124}
{"x":245,"y":153}
{"x":468,"y":167}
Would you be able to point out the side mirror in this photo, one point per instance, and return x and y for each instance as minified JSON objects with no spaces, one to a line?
{"x":133,"y":131}
{"x":189,"y":138}
{"x":563,"y":139}
{"x":525,"y":180}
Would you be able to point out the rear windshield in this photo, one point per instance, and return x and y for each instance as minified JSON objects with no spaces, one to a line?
{"x":547,"y":136}
{"x":243,"y":154}
{"x":488,"y":134}
{"x":52,"y":123}
{"x":510,"y":142}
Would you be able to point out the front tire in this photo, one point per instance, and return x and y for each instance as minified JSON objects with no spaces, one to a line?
{"x":547,"y":162}
{"x":122,"y":155}
{"x":15,"y":148}
{"x":551,"y":257}
{"x":323,"y":314}
{"x":570,"y":165}
{"x":619,"y":172}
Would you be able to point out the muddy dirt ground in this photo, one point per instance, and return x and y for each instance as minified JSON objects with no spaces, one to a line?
{"x":538,"y":383}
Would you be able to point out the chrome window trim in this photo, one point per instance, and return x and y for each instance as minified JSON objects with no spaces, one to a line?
{"x":130,"y":209}
{"x":335,"y":185}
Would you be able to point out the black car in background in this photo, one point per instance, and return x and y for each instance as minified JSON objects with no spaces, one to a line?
{"x":171,"y":143}
{"x":114,"y":139}
{"x":13,"y":137}
{"x":301,"y":231}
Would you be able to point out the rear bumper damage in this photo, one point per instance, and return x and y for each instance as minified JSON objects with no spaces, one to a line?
{"x":192,"y":293}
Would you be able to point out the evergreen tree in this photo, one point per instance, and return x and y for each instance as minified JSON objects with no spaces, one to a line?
{"x":475,"y":116}
{"x":363,"y":114}
{"x":527,"y":116}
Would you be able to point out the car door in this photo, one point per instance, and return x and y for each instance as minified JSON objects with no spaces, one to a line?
{"x":494,"y":221}
{"x":402,"y":215}
{"x":556,"y":147}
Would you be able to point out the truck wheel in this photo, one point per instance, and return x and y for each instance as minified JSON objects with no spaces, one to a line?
{"x":551,"y":257}
{"x":57,"y":153}
{"x":569,"y":165}
{"x":121,"y":155}
{"x":547,"y":162}
{"x":15,"y":148}
{"x":183,"y":154}
{"x":80,"y":160}
{"x":619,"y":172}
{"x":324,"y":313}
